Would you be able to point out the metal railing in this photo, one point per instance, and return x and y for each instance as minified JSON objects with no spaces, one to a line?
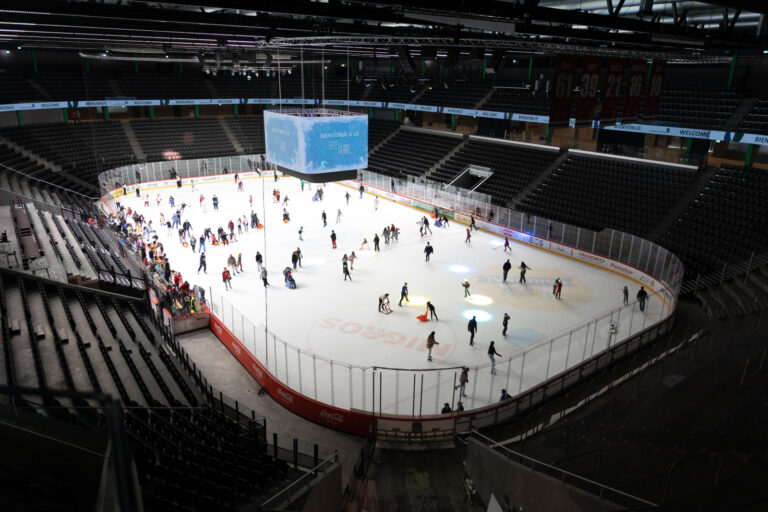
{"x":566,"y":477}
{"x":298,"y":487}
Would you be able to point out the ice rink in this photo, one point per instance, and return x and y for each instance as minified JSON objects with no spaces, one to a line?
{"x":326,"y":318}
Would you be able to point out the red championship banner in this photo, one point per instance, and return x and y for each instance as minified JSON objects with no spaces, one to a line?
{"x":634,"y":90}
{"x":565,"y":71}
{"x":654,"y":90}
{"x":612,"y":91}
{"x":590,"y":78}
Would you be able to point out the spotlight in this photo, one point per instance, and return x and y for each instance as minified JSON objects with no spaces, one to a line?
{"x":214,"y":72}
{"x":289,"y":71}
{"x":18,"y":47}
{"x":207,"y":71}
{"x":257,"y":74}
{"x":166,"y":55}
{"x":248,"y":77}
{"x":7,"y":52}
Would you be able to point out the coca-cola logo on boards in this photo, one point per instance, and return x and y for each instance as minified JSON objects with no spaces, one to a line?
{"x":236,"y":348}
{"x":218,"y":328}
{"x":257,"y":371}
{"x":285,"y":396}
{"x":334,"y":417}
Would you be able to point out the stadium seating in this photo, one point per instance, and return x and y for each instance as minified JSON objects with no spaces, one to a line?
{"x":513,"y":166}
{"x":597,"y":193}
{"x":704,"y":109}
{"x":411,"y":153}
{"x":249,"y":132}
{"x":82,"y":150}
{"x":17,"y":89}
{"x":172,"y":139}
{"x":378,"y":131}
{"x":456,"y":94}
{"x":517,"y":100}
{"x":756,"y":121}
{"x":726,"y":223}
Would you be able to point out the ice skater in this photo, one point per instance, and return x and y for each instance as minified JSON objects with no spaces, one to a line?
{"x":491,"y":355}
{"x":345,"y":270}
{"x":426,"y":226}
{"x":625,"y":291}
{"x":472,"y":222}
{"x":202,"y":243}
{"x":431,"y":311}
{"x":325,"y":219}
{"x":472,"y":328}
{"x":264,"y":277}
{"x":505,"y":269}
{"x":232,"y":263}
{"x":376,"y":242}
{"x":506,"y":245}
{"x":202,"y":264}
{"x":469,"y":237}
{"x":259,"y":260}
{"x":300,"y":256}
{"x":338,"y":216}
{"x":428,"y":250}
{"x":523,"y":269}
{"x":227,"y":278}
{"x":465,"y":284}
{"x":383,"y":303}
{"x":294,"y":259}
{"x":361,"y":189}
{"x":215,"y":201}
{"x":431,"y":342}
{"x":385,"y":233}
{"x":333,"y":239}
{"x":347,"y":197}
{"x":505,"y":324}
{"x":403,"y":295}
{"x":301,"y":232}
{"x":558,"y":288}
{"x":463,"y":380}
{"x":352,"y":258}
{"x":642,"y":296}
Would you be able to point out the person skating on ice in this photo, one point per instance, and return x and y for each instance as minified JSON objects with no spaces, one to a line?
{"x":383,"y":302}
{"x":472,"y":223}
{"x":431,"y":342}
{"x":352,"y":258}
{"x":259,"y":260}
{"x":472,"y":328}
{"x":300,"y":256}
{"x":431,"y":311}
{"x":294,"y":259}
{"x":301,"y":233}
{"x":232,"y":263}
{"x":345,"y":270}
{"x":325,"y":219}
{"x":385,"y":233}
{"x":463,"y":380}
{"x":202,"y":264}
{"x":202,"y":243}
{"x":469,"y":237}
{"x":215,"y":201}
{"x":506,"y":245}
{"x":558,"y":288}
{"x":347,"y":197}
{"x":505,"y":269}
{"x":227,"y":278}
{"x":361,"y":189}
{"x":625,"y":291}
{"x":523,"y":269}
{"x":240,"y":261}
{"x":492,"y":356}
{"x":465,"y":284}
{"x":333,"y":239}
{"x":642,"y":296}
{"x":505,"y":324}
{"x":403,"y":295}
{"x":426,"y":226}
{"x":428,"y":250}
{"x":376,"y":243}
{"x":338,"y":216}
{"x":264,"y":277}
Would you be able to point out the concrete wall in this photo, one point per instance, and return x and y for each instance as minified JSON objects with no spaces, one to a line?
{"x":495,"y":475}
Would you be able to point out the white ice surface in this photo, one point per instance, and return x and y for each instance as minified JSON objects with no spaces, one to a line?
{"x":326,"y":318}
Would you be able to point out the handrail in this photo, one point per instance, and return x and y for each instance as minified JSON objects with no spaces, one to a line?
{"x":674,"y":466}
{"x":534,"y":463}
{"x":304,"y":480}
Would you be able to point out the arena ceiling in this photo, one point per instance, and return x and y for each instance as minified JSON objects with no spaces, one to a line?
{"x":676,"y":30}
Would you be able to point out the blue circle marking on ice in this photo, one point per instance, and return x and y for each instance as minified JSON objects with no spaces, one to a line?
{"x":459,"y":269}
{"x":524,"y":337}
{"x":482,"y":316}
